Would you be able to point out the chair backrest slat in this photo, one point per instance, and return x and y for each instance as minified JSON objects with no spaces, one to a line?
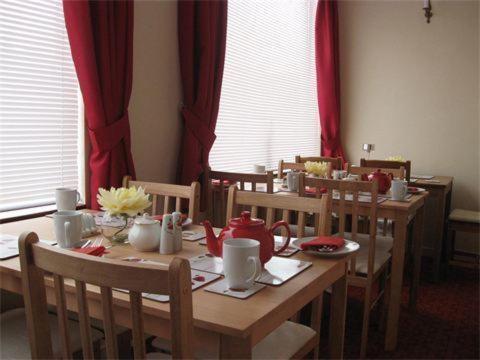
{"x":137,"y":325}
{"x":282,"y":166}
{"x":180,"y":192}
{"x":84,"y":319}
{"x":62,"y":316}
{"x":109,"y":322}
{"x":37,"y":258}
{"x":388,"y":164}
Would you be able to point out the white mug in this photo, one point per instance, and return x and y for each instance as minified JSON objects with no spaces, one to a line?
{"x":259,"y":169}
{"x":292,"y":181}
{"x":241,"y":262}
{"x":68,"y":228}
{"x":398,"y":189}
{"x":66,"y":199}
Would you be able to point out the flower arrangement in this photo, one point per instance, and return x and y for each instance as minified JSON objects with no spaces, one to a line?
{"x":317,"y":168}
{"x":398,"y":158}
{"x":122,"y":203}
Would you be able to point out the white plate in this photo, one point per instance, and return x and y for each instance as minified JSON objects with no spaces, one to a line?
{"x":350,"y":247}
{"x":419,"y":190}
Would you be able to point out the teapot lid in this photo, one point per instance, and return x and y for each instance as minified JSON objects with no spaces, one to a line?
{"x":145,"y":220}
{"x":245,"y":220}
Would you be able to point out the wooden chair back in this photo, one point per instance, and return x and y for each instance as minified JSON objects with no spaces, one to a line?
{"x":36,"y":259}
{"x":282,"y":166}
{"x":345,"y":195}
{"x":389,"y":164}
{"x":337,"y":162}
{"x":272,"y":202}
{"x":245,"y":181}
{"x":170,"y":191}
{"x":360,"y":170}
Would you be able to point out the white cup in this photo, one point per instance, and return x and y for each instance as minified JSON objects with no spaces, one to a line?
{"x":399,"y":189}
{"x":259,"y":169}
{"x":292,"y":181}
{"x":241,"y":263}
{"x":68,"y":228}
{"x":66,"y":199}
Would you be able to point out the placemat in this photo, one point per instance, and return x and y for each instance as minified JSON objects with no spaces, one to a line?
{"x":9,"y":246}
{"x":221,"y":287}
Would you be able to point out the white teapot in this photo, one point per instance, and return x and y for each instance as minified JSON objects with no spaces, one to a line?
{"x":145,"y":233}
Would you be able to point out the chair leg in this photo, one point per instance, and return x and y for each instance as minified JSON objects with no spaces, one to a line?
{"x":366,"y":321}
{"x":385,"y":301}
{"x":450,"y":249}
{"x":385,"y":226}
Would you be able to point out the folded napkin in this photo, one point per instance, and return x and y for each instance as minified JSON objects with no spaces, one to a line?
{"x":333,"y":241}
{"x":225,"y":182}
{"x":91,"y":250}
{"x":313,"y":190}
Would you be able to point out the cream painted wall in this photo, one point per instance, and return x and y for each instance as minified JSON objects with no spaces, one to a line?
{"x":412,"y":88}
{"x":154,"y":117}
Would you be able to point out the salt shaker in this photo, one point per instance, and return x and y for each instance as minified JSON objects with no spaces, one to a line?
{"x":167,"y":241}
{"x":177,"y":230}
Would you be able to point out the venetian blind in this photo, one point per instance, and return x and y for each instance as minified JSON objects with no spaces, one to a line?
{"x":39,"y":105}
{"x":268,"y":107}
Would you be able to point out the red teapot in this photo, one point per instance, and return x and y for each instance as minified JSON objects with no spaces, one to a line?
{"x":246,"y":227}
{"x":384,"y":180}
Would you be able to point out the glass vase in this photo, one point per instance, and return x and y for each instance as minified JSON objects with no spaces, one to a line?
{"x":115,"y":227}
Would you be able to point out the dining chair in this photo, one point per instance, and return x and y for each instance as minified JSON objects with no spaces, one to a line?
{"x":103,"y":275}
{"x":374,"y":253}
{"x":397,"y":173}
{"x":302,"y":206}
{"x":388,"y":164}
{"x":218,"y":182}
{"x":282,"y":166}
{"x":168,"y":191}
{"x":337,"y":162}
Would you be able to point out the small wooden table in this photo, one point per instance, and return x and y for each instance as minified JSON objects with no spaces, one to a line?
{"x":402,"y":213}
{"x":231,"y":326}
{"x":438,"y":209}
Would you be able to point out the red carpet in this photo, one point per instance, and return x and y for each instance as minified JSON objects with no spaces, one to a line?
{"x":445,"y":325}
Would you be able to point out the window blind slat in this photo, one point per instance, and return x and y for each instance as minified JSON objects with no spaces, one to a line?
{"x":39,"y":105}
{"x":268,"y":107}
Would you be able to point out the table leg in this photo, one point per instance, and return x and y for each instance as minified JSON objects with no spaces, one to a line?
{"x":439,"y":242}
{"x":417,"y":256}
{"x":337,"y":316}
{"x":235,"y":347}
{"x":396,"y":281}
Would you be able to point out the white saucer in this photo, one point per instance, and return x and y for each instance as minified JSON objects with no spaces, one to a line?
{"x":348,"y":248}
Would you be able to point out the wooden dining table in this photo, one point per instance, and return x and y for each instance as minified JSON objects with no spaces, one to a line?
{"x":227,"y":325}
{"x":402,"y":213}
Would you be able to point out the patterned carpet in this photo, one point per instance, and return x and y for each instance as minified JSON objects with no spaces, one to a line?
{"x":445,"y":325}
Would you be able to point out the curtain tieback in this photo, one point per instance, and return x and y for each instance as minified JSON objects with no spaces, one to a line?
{"x":205,"y":136}
{"x":107,"y":137}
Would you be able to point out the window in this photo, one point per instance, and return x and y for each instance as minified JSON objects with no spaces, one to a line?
{"x":268,"y":108}
{"x":41,"y":120}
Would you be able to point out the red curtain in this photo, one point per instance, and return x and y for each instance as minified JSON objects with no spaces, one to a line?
{"x":101,"y":41}
{"x":202,"y":30}
{"x":328,"y":77}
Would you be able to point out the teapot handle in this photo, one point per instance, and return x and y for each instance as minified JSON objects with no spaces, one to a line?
{"x":287,"y":242}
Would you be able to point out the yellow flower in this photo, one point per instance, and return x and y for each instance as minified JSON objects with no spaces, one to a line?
{"x":131,"y":201}
{"x":317,"y":168}
{"x":396,"y":158}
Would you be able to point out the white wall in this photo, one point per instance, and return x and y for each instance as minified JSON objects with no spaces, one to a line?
{"x":412,"y":88}
{"x":154,"y":117}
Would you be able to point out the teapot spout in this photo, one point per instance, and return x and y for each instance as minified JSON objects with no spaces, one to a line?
{"x":212,"y":241}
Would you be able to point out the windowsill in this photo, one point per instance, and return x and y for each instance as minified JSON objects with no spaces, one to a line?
{"x":28,"y":213}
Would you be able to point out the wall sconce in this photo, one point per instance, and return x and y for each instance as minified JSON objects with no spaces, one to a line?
{"x":427,"y":7}
{"x":368,"y":148}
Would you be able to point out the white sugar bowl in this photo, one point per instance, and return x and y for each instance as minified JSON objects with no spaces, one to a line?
{"x":145,"y":233}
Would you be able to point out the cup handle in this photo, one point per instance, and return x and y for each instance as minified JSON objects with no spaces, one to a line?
{"x":68,"y":231}
{"x":287,"y":242}
{"x":79,"y":198}
{"x":257,"y":269}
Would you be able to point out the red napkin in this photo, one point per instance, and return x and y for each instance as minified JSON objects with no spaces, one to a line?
{"x":335,"y":241}
{"x":313,"y":190}
{"x":225,"y":182}
{"x":91,"y":250}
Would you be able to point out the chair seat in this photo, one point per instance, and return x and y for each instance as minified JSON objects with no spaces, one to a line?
{"x":465,"y":216}
{"x":14,"y":335}
{"x":383,"y":245}
{"x":282,"y":343}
